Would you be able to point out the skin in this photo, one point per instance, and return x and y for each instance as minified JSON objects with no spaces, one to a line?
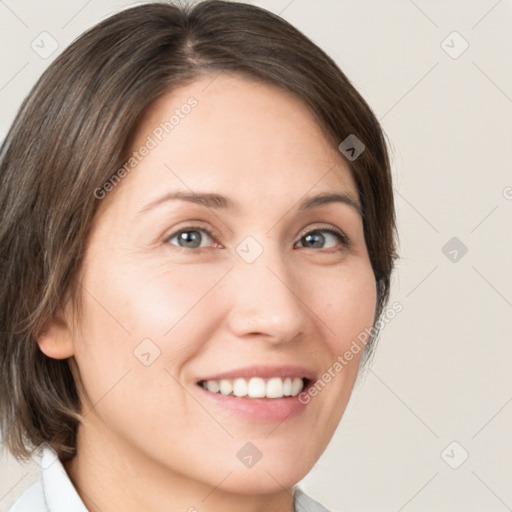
{"x":149,"y":439}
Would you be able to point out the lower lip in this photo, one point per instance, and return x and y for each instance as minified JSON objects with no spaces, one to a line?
{"x":263,"y":410}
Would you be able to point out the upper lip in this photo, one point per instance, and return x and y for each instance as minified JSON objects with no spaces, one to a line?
{"x":265,"y":372}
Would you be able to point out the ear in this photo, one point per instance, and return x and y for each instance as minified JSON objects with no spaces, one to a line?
{"x":55,"y":340}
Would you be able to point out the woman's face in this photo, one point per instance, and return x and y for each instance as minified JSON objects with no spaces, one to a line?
{"x":181,"y":292}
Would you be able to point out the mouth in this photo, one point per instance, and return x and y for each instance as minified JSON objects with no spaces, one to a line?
{"x":257,"y":387}
{"x":260,"y":394}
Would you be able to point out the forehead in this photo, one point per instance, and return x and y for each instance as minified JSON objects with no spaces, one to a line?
{"x":240,"y":138}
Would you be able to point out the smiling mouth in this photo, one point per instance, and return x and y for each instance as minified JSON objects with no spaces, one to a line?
{"x":257,"y":387}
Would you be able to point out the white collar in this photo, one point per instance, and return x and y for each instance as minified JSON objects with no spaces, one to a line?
{"x":59,"y":492}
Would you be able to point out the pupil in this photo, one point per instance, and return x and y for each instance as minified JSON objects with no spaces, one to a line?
{"x":191,"y":240}
{"x":319,"y":239}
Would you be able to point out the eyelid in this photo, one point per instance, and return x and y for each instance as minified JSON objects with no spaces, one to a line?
{"x":344,"y":239}
{"x":192,"y":227}
{"x":327,"y":227}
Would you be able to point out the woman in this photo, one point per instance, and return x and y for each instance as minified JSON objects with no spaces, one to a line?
{"x":197,"y":234}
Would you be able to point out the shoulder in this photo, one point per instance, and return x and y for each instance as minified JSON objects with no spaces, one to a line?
{"x":31,"y":500}
{"x":303,"y":503}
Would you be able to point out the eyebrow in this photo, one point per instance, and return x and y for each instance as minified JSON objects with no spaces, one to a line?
{"x":218,"y":201}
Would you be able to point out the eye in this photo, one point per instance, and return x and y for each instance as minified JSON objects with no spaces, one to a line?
{"x":189,"y":237}
{"x":315,"y":239}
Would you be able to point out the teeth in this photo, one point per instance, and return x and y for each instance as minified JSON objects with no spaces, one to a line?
{"x":297,"y":386}
{"x":256,"y":387}
{"x":287,"y":387}
{"x":240,"y":387}
{"x":213,"y":386}
{"x":226,"y":387}
{"x":275,"y":387}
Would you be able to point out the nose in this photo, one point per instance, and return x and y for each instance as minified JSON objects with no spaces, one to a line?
{"x":265,"y":299}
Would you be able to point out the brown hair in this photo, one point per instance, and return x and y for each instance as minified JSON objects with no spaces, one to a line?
{"x":73,"y":131}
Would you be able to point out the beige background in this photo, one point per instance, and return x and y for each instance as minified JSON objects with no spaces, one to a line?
{"x":442,"y":372}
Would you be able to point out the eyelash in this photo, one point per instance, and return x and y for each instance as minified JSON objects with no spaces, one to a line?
{"x":342,"y":238}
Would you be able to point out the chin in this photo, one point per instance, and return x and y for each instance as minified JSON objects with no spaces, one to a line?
{"x":268,"y":475}
{"x":264,"y":480}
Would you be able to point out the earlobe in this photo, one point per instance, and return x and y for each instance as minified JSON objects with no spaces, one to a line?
{"x":55,"y":339}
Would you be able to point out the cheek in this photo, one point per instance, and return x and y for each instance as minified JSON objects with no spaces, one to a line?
{"x":134,"y":309}
{"x":138,"y":315}
{"x":346,"y":305}
{"x":136,"y":335}
{"x":146,"y":299}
